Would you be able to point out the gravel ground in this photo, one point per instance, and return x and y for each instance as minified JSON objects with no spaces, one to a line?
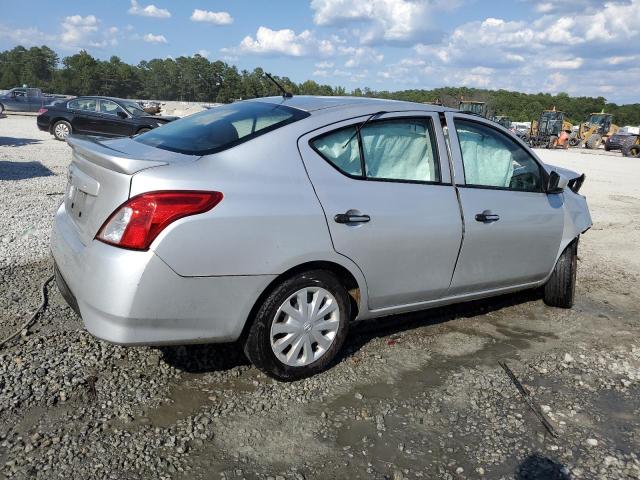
{"x":413,"y":396}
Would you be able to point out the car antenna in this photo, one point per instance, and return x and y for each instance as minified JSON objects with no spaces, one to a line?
{"x":359,"y":127}
{"x":285,"y":94}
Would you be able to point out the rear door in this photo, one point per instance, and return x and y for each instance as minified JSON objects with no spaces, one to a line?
{"x":85,"y":112}
{"x":389,"y":202}
{"x":513,"y":229}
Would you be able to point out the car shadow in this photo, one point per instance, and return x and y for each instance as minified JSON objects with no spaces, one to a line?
{"x":23,"y":170}
{"x":539,"y":467}
{"x":18,"y":142}
{"x":214,"y":357}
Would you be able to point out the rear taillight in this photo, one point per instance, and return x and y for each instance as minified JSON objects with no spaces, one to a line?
{"x":136,"y":223}
{"x":42,"y":110}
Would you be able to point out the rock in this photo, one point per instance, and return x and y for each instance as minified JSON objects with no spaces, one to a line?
{"x":592,"y":442}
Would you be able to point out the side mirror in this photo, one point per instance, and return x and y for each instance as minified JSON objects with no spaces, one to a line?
{"x":121,"y":114}
{"x":557,"y":183}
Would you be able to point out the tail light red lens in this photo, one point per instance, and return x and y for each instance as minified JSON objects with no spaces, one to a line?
{"x":137,"y":223}
{"x":42,"y":110}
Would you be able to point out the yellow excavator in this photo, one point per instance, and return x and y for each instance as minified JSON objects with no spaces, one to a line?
{"x":551,"y":130}
{"x":594,"y":131}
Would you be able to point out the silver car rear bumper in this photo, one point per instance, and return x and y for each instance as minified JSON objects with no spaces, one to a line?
{"x":133,"y":298}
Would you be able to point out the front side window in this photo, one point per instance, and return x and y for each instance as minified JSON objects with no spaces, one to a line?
{"x":110,"y":108}
{"x":220,"y":128}
{"x":85,"y":104}
{"x":399,"y":149}
{"x":491,"y":159}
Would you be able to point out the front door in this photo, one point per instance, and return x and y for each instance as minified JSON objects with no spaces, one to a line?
{"x":389,"y":204}
{"x":513,"y":229}
{"x":114,"y":120}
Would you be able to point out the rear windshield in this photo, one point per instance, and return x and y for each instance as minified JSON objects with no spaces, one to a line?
{"x":220,"y":128}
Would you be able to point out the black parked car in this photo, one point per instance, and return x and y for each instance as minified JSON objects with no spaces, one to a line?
{"x":618,"y":140}
{"x":104,"y":116}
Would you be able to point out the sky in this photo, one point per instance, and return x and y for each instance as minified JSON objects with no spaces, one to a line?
{"x":581,"y":47}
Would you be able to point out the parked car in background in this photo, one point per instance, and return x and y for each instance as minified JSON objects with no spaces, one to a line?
{"x":103,"y":116}
{"x":619,"y":140}
{"x":25,"y":100}
{"x":279,"y":221}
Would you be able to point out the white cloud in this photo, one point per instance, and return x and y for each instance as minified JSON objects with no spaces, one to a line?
{"x":322,"y":65}
{"x":570,"y":64}
{"x":151,"y":38}
{"x":216,"y":18}
{"x":27,"y":37}
{"x":544,"y":7}
{"x":81,"y":32}
{"x":384,"y":21}
{"x":283,"y":42}
{"x":358,"y":56}
{"x":204,"y":53}
{"x":148,"y":11}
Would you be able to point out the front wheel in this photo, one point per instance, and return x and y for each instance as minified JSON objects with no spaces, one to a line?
{"x":61,"y":130}
{"x":300,"y":326}
{"x":559,"y":291}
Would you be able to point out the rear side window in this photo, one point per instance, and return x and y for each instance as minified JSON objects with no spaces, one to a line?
{"x":220,"y":128}
{"x":400,"y":149}
{"x":85,"y":104}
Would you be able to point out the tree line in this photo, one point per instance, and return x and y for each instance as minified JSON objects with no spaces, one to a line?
{"x":197,"y":79}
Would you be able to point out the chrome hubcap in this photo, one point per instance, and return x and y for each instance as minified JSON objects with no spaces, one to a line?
{"x":305,"y":326}
{"x":61,"y":130}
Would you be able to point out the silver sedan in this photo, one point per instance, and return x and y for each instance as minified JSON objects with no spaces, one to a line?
{"x":279,"y":221}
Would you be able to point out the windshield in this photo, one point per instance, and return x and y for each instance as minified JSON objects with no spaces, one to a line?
{"x":133,"y":108}
{"x":220,"y":128}
{"x":597,"y":119}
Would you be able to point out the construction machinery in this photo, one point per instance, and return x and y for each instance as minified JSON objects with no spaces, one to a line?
{"x":595,"y":130}
{"x":551,"y":130}
{"x":503,"y":120}
{"x":631,"y":148}
{"x":473,"y":107}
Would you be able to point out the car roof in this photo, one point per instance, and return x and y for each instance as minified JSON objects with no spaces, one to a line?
{"x":115,"y":99}
{"x":312,"y":103}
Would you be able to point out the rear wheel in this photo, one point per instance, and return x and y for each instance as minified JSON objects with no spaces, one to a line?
{"x":61,"y":130}
{"x":553,"y":139}
{"x":559,"y":291}
{"x":631,"y":150}
{"x":593,"y":142}
{"x":300,"y":326}
{"x":574,"y":141}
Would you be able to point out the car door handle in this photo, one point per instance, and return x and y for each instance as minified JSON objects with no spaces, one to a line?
{"x":487,"y":217}
{"x":351,"y":218}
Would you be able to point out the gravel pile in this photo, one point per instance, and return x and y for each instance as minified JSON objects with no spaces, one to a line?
{"x":413,"y":397}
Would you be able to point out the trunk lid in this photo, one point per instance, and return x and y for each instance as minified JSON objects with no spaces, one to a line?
{"x":99,"y":177}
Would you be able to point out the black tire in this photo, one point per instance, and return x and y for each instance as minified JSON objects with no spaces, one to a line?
{"x":1,"y":109}
{"x":559,"y":291}
{"x":257,"y":346}
{"x":593,"y":142}
{"x":552,"y":141}
{"x":56,"y":131}
{"x":631,"y":150}
{"x":574,"y":141}
{"x":142,"y":130}
{"x":606,"y":147}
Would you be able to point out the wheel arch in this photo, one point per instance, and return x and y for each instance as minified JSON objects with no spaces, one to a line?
{"x":55,"y":120}
{"x":353,"y":282}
